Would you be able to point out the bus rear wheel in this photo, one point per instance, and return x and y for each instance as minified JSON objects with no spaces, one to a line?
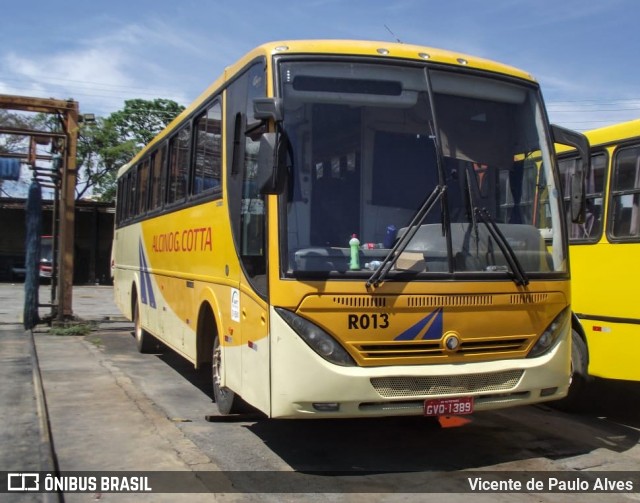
{"x":226,"y":400}
{"x":145,"y":342}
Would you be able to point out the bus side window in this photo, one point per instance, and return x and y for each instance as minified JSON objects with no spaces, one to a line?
{"x":132,"y":192}
{"x":591,"y":229}
{"x":179,"y":152}
{"x":208,"y":159}
{"x":157,"y":181}
{"x":625,"y":194}
{"x":143,"y":184}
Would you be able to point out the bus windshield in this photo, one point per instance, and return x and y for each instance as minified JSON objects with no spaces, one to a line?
{"x":371,"y":142}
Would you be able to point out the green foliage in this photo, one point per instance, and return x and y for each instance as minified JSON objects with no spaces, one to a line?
{"x":96,"y":341}
{"x":105,"y":146}
{"x":100,"y":153}
{"x":141,"y":120}
{"x":71,"y":329}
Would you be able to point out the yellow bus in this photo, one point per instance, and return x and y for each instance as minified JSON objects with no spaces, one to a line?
{"x":349,"y":228}
{"x":604,"y":249}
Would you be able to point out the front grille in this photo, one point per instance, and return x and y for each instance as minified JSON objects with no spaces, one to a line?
{"x":397,"y":349}
{"x":410,"y":386}
{"x":420,"y":349}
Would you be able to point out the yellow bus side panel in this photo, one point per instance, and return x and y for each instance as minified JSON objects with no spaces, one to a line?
{"x":613,"y":349}
{"x":178,"y":261}
{"x":605,"y":279}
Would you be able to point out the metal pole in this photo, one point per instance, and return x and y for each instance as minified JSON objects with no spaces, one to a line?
{"x":67,"y":214}
{"x":55,"y":244}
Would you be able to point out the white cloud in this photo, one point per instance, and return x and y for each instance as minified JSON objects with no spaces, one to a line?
{"x":84,"y":66}
{"x":102,"y":72}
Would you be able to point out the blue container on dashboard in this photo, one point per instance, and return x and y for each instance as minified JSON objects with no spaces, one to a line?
{"x":390,"y":236}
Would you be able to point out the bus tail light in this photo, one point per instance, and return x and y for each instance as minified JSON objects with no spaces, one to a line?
{"x":319,"y":340}
{"x":549,"y":337}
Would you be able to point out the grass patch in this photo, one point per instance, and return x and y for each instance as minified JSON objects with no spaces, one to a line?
{"x":71,"y":329}
{"x":96,"y":341}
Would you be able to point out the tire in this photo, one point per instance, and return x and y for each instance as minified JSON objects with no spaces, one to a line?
{"x":226,"y":400}
{"x":145,"y":342}
{"x":577,"y":397}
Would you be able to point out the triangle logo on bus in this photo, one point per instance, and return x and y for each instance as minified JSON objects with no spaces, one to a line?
{"x":428,"y":328}
{"x":146,"y":289}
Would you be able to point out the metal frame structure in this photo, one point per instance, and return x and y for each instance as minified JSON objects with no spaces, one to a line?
{"x":64,"y":183}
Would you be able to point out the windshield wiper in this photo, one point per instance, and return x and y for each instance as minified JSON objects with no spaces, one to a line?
{"x":382,"y":271}
{"x":519,"y":274}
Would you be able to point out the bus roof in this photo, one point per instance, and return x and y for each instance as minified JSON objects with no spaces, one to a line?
{"x":377,"y":49}
{"x":614,"y":133}
{"x":387,"y":49}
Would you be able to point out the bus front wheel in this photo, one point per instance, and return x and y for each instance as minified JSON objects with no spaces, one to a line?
{"x":226,"y":400}
{"x":577,"y":397}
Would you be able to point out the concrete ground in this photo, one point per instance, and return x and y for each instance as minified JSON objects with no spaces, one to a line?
{"x":24,"y":443}
{"x":84,"y":410}
{"x":101,"y":408}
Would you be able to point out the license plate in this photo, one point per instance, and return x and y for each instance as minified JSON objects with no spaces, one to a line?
{"x":448,"y":406}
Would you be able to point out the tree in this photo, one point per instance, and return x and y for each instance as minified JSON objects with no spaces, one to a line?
{"x":12,"y":144}
{"x":105,"y":146}
{"x":100,"y":154}
{"x":142,"y":120}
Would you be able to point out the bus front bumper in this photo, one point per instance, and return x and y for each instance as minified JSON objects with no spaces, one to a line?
{"x":303,"y":384}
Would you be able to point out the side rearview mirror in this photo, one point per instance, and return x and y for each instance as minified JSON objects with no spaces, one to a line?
{"x":273,"y":169}
{"x":274,"y":147}
{"x":577,"y":194}
{"x":267,"y":108}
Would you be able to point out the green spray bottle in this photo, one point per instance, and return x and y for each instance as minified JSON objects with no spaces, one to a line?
{"x":354,"y":243}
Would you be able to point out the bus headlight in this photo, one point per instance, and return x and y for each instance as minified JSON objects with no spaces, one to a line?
{"x":319,"y":340}
{"x":549,"y":337}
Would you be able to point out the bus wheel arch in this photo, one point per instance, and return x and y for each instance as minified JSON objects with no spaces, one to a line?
{"x":207,"y":329}
{"x":134,"y":298}
{"x":228,"y":402}
{"x":209,"y":349}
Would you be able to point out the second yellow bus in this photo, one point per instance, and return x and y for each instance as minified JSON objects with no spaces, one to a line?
{"x":604,"y":260}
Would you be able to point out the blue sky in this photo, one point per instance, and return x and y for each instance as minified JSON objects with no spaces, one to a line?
{"x":101,"y":53}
